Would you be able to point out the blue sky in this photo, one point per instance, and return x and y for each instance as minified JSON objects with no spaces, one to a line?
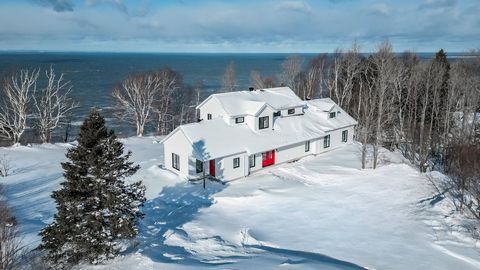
{"x":238,"y":26}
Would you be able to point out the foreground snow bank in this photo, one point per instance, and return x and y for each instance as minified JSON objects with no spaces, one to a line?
{"x":321,"y":212}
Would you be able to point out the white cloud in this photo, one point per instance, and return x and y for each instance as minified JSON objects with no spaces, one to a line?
{"x":300,"y":6}
{"x":380,"y":8}
{"x":268,"y":25}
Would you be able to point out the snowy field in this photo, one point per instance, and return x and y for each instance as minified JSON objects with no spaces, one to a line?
{"x":322,"y":212}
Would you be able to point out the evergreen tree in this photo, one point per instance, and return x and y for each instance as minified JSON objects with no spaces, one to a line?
{"x":96,"y":209}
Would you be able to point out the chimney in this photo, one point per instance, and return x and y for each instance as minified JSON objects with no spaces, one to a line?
{"x":251,"y":89}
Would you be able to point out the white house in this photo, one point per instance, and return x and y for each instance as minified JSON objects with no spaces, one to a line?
{"x":245,"y":131}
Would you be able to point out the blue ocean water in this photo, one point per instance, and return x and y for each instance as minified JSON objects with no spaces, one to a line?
{"x":93,"y":75}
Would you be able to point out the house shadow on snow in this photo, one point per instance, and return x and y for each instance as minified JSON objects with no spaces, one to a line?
{"x":166,"y":214}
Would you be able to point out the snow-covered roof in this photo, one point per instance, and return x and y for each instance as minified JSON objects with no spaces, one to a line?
{"x":251,"y":102}
{"x":322,"y":104}
{"x":216,"y":138}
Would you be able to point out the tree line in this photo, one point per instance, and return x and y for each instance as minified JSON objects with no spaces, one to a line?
{"x":426,"y":108}
{"x":429,"y":109}
{"x":22,"y":98}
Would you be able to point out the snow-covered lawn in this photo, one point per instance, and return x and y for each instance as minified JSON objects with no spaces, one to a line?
{"x":322,"y":212}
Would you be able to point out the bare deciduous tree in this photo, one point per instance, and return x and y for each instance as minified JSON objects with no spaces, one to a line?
{"x":259,"y":82}
{"x":290,"y":69}
{"x":5,"y":166}
{"x":135,"y":96}
{"x":14,"y":99}
{"x":169,"y":82}
{"x":228,"y":79}
{"x":52,"y":104}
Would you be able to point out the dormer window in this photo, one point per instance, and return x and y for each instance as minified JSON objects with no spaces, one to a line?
{"x":263,"y":122}
{"x":291,"y":111}
{"x":239,"y":120}
{"x":333,"y":114}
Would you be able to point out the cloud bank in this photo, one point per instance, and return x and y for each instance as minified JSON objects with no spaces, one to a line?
{"x":237,"y":26}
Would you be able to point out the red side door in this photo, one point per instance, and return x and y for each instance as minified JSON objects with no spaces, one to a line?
{"x":268,"y":158}
{"x":212,"y":167}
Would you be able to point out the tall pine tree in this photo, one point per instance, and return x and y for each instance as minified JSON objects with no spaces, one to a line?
{"x":96,"y":208}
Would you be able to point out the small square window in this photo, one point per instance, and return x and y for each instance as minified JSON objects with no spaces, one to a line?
{"x":209,"y":116}
{"x":332,"y":115}
{"x":199,"y":166}
{"x":239,"y":120}
{"x":277,"y":114}
{"x":291,"y":111}
{"x":236,"y":162}
{"x":307,"y":146}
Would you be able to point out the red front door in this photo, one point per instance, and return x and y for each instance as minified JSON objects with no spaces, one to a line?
{"x":268,"y":158}
{"x":212,"y":167}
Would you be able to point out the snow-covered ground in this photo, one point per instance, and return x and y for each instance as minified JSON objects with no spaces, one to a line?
{"x":322,"y":212}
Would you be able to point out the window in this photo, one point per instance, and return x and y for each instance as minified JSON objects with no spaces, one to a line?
{"x":307,"y":146}
{"x":239,"y":120}
{"x":209,"y":116}
{"x":332,"y":115}
{"x":199,"y":166}
{"x":236,"y":162}
{"x":176,"y":161}
{"x":276,"y":114}
{"x":326,"y":141}
{"x":263,"y":122}
{"x":252,"y":161}
{"x":344,"y":136}
{"x":291,"y":111}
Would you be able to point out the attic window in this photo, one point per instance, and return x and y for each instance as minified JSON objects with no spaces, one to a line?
{"x":291,"y":111}
{"x":263,"y":122}
{"x":276,"y":114}
{"x":239,"y":120}
{"x":333,"y":114}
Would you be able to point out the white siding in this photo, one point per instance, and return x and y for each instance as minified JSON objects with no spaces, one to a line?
{"x":178,"y":144}
{"x":335,"y":140}
{"x":267,"y":111}
{"x":224,"y":167}
{"x":292,"y":152}
{"x":212,"y":107}
{"x":298,"y":110}
{"x":258,"y":163}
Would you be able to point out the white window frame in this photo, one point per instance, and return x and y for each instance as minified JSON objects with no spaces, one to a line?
{"x":251,"y":161}
{"x":261,"y":120}
{"x":236,"y":162}
{"x":345,"y":136}
{"x":176,"y":161}
{"x":326,"y":141}
{"x":209,"y":116}
{"x":291,"y":111}
{"x":239,"y":120}
{"x":333,"y":115}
